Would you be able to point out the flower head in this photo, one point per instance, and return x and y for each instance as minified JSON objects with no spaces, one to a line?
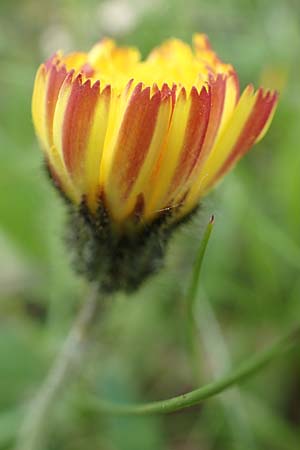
{"x":139,"y":138}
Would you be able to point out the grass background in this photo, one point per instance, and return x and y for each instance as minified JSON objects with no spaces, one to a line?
{"x":250,"y":277}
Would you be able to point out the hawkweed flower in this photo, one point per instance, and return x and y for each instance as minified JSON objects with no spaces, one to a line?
{"x":135,"y":145}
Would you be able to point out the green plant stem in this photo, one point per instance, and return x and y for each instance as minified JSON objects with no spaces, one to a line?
{"x":250,"y":367}
{"x":193,"y":287}
{"x":205,"y":332}
{"x":191,"y":325}
{"x":219,"y":362}
{"x":34,"y":428}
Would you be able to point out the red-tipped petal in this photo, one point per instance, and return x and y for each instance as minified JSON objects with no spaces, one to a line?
{"x":253,"y":129}
{"x":77,"y":121}
{"x":134,"y":137}
{"x":194,"y":137}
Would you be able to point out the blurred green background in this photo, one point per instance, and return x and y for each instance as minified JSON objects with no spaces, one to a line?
{"x":250,"y":280}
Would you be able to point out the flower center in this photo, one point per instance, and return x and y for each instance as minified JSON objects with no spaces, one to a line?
{"x":172,"y":63}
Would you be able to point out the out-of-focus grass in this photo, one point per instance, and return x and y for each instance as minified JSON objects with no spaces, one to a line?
{"x":252,"y":267}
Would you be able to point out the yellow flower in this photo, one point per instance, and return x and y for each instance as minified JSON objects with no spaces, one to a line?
{"x":146,"y":136}
{"x":134,"y":145}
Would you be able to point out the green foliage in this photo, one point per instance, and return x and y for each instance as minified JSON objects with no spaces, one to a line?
{"x":251,"y":269}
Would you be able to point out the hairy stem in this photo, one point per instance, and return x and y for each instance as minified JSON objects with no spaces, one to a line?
{"x":33,"y":430}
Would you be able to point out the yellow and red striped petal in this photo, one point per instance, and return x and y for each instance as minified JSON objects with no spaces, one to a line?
{"x":247,"y":125}
{"x":136,"y":145}
{"x":79,"y":126}
{"x":166,"y":163}
{"x":196,"y":129}
{"x":49,"y":79}
{"x":78,"y":101}
{"x":48,"y":82}
{"x":224,"y":92}
{"x":253,"y":131}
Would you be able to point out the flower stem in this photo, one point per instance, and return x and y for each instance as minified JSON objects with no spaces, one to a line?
{"x":33,"y":431}
{"x":192,"y":291}
{"x":253,"y":365}
{"x":219,"y":363}
{"x":191,"y":297}
{"x":204,"y":331}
